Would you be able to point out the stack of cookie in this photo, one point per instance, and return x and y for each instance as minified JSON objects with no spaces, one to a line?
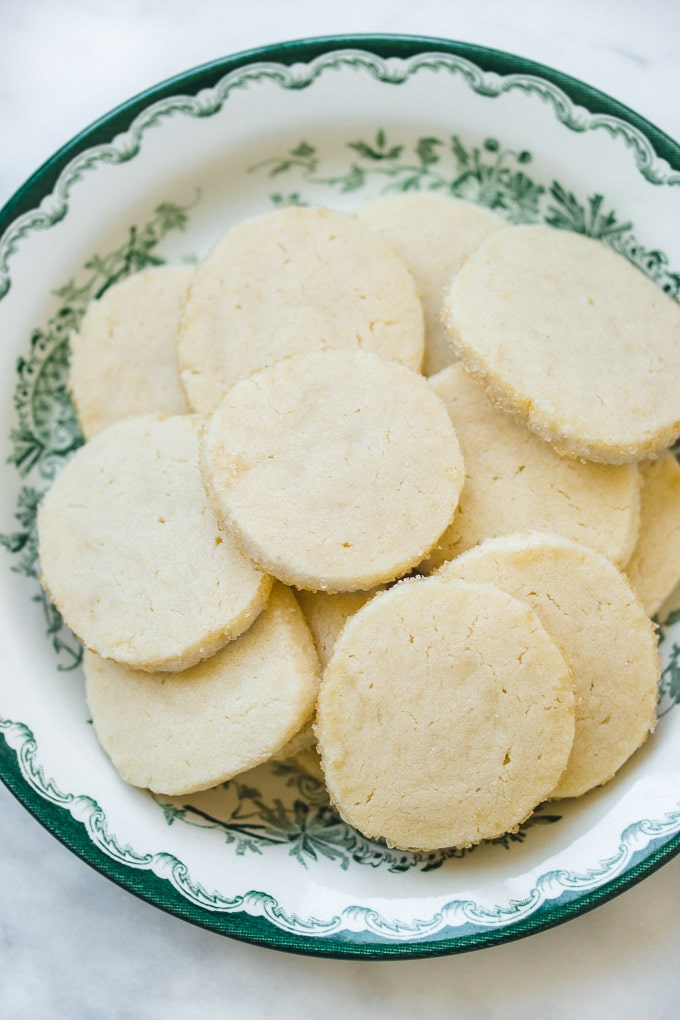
{"x":384,"y":492}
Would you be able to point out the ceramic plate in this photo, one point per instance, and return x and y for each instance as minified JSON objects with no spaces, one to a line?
{"x":264,"y":858}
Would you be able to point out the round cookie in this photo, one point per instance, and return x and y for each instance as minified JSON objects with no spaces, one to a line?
{"x":514,"y":481}
{"x":594,"y":616}
{"x":654,"y":567}
{"x":445,"y":715}
{"x":132,"y":555}
{"x":433,"y":235}
{"x":294,"y":280}
{"x":123,"y":357}
{"x":177,"y":733}
{"x":334,"y":470}
{"x":573,"y":339}
{"x":327,"y":614}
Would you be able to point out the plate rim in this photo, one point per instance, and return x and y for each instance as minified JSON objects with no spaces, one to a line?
{"x":68,"y":830}
{"x":119,"y":118}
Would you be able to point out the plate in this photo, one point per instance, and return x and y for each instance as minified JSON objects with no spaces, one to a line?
{"x":329,"y":121}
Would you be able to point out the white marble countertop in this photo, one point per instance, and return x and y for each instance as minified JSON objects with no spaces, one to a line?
{"x":71,"y":943}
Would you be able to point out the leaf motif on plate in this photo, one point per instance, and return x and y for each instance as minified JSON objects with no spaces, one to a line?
{"x":669,"y":684}
{"x":47,"y":433}
{"x":303,"y":821}
{"x":490,"y":173}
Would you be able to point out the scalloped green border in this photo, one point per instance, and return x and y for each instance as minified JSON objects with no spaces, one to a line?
{"x":207,"y":75}
{"x":59,"y":822}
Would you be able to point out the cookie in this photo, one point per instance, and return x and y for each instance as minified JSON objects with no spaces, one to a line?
{"x":294,"y":280}
{"x":333,"y":470}
{"x":326,"y":615}
{"x":433,"y":235}
{"x":569,"y":336}
{"x":514,"y":481}
{"x":445,"y":715}
{"x":654,"y":567}
{"x":123,"y":356}
{"x":589,"y":608}
{"x":131,"y":553}
{"x":177,"y":733}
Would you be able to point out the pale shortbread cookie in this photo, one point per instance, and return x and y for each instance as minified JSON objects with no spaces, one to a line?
{"x":573,"y":339}
{"x":123,"y":357}
{"x":334,"y":470}
{"x":654,"y":567}
{"x":445,"y":715}
{"x":327,"y":614}
{"x":514,"y":481}
{"x":433,"y":235}
{"x":594,"y":616}
{"x":176,"y":733}
{"x":297,"y":279}
{"x":132,"y":555}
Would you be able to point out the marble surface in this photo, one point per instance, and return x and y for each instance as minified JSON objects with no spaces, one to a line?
{"x":71,"y":943}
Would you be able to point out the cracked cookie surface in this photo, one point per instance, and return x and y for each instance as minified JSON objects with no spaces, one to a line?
{"x":514,"y":481}
{"x":334,"y":470}
{"x":132,"y":555}
{"x":445,"y":715}
{"x":291,"y":281}
{"x":123,"y":357}
{"x":177,"y":733}
{"x":433,"y":234}
{"x":573,"y":339}
{"x":591,"y":611}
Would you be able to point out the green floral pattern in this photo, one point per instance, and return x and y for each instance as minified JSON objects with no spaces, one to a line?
{"x":47,"y":433}
{"x":309,"y":827}
{"x":454,"y":916}
{"x":669,"y":684}
{"x":489,"y":173}
{"x":44,"y":437}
